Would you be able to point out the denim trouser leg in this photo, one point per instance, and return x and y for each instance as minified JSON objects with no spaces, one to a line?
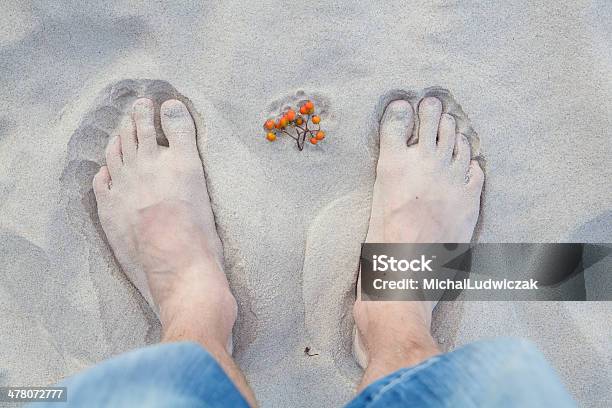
{"x":165,"y":375}
{"x":496,"y":373}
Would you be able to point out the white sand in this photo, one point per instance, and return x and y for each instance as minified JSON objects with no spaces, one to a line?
{"x":534,"y":80}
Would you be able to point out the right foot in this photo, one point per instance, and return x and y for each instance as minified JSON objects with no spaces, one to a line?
{"x":155,"y":211}
{"x":426,"y":193}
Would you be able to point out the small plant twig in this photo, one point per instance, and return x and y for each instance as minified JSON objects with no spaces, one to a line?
{"x":307,"y":352}
{"x":291,"y":120}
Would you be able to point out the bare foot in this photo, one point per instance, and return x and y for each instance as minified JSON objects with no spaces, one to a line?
{"x":425,"y":193}
{"x":155,"y":210}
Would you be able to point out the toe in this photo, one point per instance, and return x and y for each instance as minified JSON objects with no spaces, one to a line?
{"x":127,"y":135}
{"x":101,"y":183}
{"x":178,"y":126}
{"x":463,"y":153}
{"x":113,"y":156}
{"x":144,"y":119}
{"x":430,"y":110}
{"x":446,"y":136}
{"x":476,"y":175}
{"x":396,"y":127}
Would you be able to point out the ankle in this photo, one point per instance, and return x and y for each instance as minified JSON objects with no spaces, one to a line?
{"x":403,"y":351}
{"x":202,"y":314}
{"x":214,"y":342}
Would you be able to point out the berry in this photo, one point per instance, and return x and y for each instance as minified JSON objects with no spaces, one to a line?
{"x":309,"y":106}
{"x":269,"y":125}
{"x":320,"y":135}
{"x":299,"y":120}
{"x":283,"y":122}
{"x":271,"y":136}
{"x":290,"y":115}
{"x":316,"y":119}
{"x":313,"y":140}
{"x":303,"y":110}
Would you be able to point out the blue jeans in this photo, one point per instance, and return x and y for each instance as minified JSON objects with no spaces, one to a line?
{"x":495,"y":373}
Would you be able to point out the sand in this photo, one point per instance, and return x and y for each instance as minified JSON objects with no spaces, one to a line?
{"x":533,"y":79}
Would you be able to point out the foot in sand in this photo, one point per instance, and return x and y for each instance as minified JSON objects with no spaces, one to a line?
{"x":155,"y":210}
{"x":428,"y":192}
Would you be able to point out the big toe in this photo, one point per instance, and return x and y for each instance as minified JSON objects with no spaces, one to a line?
{"x":178,"y":126}
{"x":396,"y":127}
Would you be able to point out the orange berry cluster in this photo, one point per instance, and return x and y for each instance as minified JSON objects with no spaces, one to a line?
{"x":296,"y":125}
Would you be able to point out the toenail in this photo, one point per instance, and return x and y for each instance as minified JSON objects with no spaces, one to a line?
{"x":399,"y":105}
{"x":431,"y":101}
{"x":143,"y":104}
{"x":173,"y":109}
{"x":448,"y":116}
{"x":399,"y":109}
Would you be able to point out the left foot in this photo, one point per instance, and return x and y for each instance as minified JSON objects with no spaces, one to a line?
{"x":155,"y":210}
